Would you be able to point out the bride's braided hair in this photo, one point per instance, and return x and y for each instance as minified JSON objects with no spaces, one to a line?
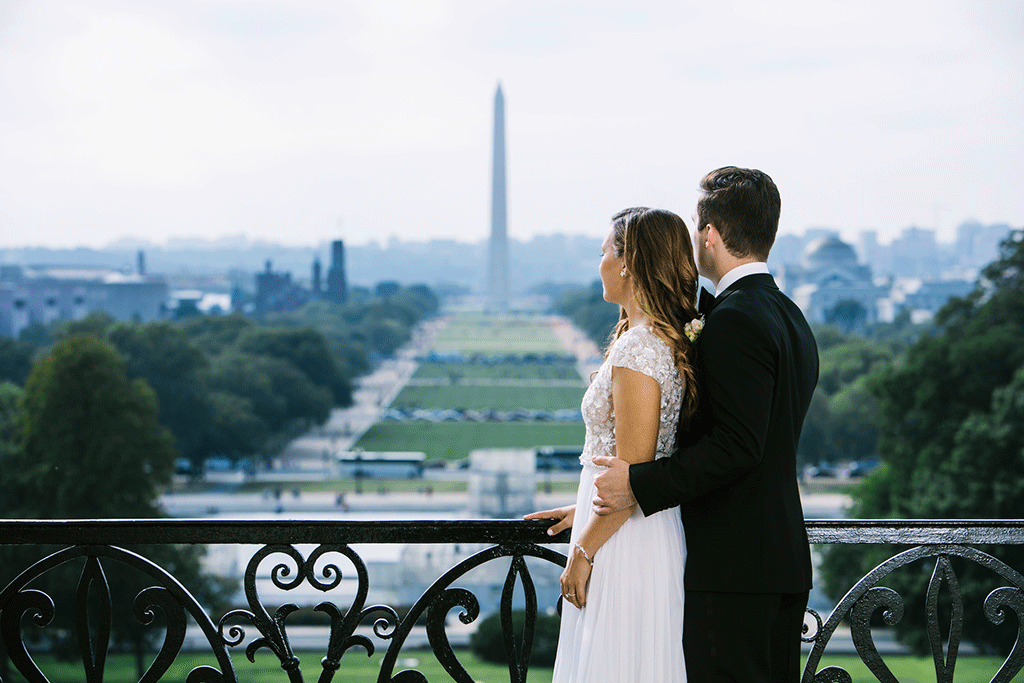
{"x":658,"y":254}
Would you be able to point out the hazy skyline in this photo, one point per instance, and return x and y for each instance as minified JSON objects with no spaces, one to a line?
{"x":300,"y":121}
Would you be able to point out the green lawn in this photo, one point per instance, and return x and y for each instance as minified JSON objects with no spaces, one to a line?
{"x":917,"y":669}
{"x":474,"y":333}
{"x":454,"y":440}
{"x":356,"y":667}
{"x":493,"y":397}
{"x":844,"y":486}
{"x":561,"y":370}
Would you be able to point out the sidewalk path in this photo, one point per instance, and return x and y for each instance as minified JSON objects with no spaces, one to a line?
{"x":372,"y":395}
{"x":588,"y":356}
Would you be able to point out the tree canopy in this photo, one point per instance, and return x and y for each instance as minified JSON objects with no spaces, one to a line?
{"x":948,"y":417}
{"x":589,"y":311}
{"x":90,"y":441}
{"x":235,"y":386}
{"x":84,"y":441}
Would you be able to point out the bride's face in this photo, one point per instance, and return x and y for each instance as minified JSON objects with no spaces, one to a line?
{"x":614,"y":283}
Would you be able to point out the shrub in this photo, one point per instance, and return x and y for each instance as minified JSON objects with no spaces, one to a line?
{"x":487,"y":643}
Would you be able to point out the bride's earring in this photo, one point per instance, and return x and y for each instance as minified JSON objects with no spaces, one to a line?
{"x":622,"y":273}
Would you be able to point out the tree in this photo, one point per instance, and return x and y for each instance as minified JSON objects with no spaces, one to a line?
{"x":12,"y":558}
{"x":840,"y":425}
{"x":488,"y":641}
{"x":214,"y":334}
{"x":277,"y":392}
{"x":307,"y":350}
{"x":36,"y":334}
{"x":847,"y":314}
{"x":851,"y":428}
{"x":163,"y":355}
{"x":386,"y":289}
{"x":339,"y":327}
{"x":589,"y":311}
{"x":235,"y":428}
{"x":10,"y":397}
{"x":948,"y":419}
{"x":96,"y":324}
{"x":88,"y":443}
{"x":814,"y":446}
{"x":15,"y":360}
{"x":91,"y":443}
{"x":849,"y":360}
{"x":368,"y":323}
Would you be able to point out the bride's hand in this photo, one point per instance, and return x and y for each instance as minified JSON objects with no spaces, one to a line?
{"x":563,"y":515}
{"x":575,"y":579}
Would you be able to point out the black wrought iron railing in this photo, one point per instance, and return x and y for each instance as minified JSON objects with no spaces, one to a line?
{"x":320,"y":556}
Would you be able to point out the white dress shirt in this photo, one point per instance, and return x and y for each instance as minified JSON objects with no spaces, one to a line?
{"x":758,"y":267}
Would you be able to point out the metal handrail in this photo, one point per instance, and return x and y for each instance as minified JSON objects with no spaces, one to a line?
{"x":216,"y":531}
{"x":102,"y":543}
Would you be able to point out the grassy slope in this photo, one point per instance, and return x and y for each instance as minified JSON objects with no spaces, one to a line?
{"x":454,"y":440}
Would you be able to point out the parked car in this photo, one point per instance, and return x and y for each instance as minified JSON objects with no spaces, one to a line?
{"x":861,"y":468}
{"x":822,"y":469}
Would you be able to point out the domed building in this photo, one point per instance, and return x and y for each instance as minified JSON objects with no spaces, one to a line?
{"x":828,"y":251}
{"x":828,"y":275}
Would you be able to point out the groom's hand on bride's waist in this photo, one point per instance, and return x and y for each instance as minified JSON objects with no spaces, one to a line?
{"x":613,"y":490}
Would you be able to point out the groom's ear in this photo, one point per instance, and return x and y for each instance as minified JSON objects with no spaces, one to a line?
{"x":709,"y":235}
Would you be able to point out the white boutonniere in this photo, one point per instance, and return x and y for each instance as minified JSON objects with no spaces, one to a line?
{"x":692,"y":329}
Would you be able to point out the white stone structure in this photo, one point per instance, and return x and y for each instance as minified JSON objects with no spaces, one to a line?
{"x":497,"y":266}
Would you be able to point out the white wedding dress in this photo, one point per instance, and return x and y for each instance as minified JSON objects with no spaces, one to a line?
{"x":631,"y":630}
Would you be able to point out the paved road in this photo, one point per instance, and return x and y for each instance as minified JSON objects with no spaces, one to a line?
{"x":372,"y":395}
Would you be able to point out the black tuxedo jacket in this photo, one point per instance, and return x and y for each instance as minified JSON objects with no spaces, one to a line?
{"x":733,"y":472}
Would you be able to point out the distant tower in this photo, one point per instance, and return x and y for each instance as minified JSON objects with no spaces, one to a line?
{"x":140,"y":263}
{"x":337,"y":287}
{"x":317,"y":285}
{"x":497,"y":267}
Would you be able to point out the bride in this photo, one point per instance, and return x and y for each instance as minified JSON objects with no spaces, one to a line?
{"x":622,"y":587}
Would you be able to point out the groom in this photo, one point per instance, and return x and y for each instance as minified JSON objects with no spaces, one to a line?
{"x":748,"y":566}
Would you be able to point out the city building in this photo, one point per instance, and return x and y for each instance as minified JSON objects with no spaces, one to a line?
{"x":337,"y":282}
{"x":827,"y":275}
{"x":276,"y":292}
{"x":915,"y":273}
{"x":43,"y":294}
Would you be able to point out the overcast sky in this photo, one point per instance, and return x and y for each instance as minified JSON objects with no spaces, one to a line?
{"x":300,"y":121}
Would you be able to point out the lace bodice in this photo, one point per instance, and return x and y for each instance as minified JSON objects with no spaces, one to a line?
{"x":638,"y":349}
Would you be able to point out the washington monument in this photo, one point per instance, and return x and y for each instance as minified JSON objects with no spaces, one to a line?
{"x":497,"y":267}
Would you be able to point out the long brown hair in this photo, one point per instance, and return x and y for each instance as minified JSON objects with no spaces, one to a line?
{"x":655,"y":245}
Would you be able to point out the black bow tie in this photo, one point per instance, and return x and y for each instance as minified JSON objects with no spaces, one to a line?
{"x":705,"y":302}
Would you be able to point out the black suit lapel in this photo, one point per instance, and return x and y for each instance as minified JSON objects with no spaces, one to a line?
{"x":755,"y":280}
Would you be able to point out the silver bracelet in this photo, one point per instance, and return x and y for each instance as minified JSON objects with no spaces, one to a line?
{"x":585,"y":556}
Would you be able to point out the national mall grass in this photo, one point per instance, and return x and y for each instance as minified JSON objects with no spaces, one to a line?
{"x":490,"y":397}
{"x":454,"y":440}
{"x":357,"y":668}
{"x":475,"y":333}
{"x":553,"y":371}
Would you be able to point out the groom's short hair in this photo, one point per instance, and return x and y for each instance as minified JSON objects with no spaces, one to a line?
{"x":743,"y":204}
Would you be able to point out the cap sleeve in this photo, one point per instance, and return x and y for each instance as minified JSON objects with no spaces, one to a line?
{"x":641,"y":350}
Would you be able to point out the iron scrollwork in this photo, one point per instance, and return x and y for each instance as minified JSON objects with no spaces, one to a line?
{"x":94,"y":551}
{"x":866,"y":598}
{"x":18,"y":600}
{"x":175,"y":601}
